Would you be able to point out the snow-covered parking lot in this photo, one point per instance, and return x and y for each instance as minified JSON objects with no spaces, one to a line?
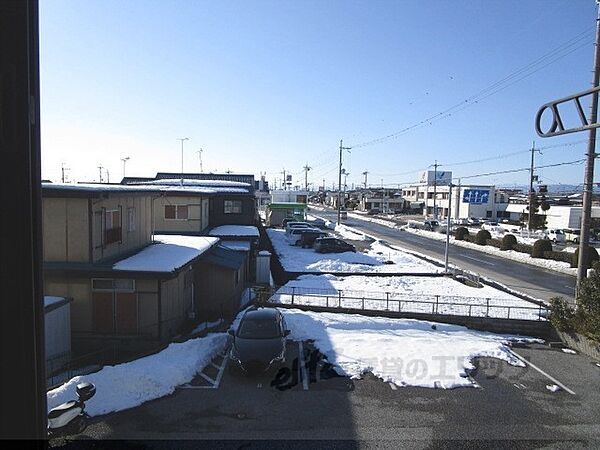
{"x":402,"y":351}
{"x":377,"y":259}
{"x":416,"y":294}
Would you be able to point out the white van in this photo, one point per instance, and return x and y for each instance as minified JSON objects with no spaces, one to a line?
{"x":556,"y":236}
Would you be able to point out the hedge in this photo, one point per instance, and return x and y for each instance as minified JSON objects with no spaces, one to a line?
{"x":508,"y":242}
{"x":539,"y":247}
{"x":592,"y":257}
{"x":559,"y":256}
{"x":482,"y":237}
{"x":461,"y":233}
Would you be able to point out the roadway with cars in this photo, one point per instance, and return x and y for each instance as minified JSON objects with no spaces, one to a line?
{"x":534,"y":281}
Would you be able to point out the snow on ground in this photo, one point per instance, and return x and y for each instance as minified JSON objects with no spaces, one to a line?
{"x":441,"y":295}
{"x":348,"y":233}
{"x":167,"y":254}
{"x":403,"y":351}
{"x":130,"y":384}
{"x":297,"y":259}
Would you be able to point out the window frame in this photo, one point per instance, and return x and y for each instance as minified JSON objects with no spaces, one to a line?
{"x":231,"y":208}
{"x":178,"y":208}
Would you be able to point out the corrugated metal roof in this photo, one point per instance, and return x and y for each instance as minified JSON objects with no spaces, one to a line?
{"x":225,"y":257}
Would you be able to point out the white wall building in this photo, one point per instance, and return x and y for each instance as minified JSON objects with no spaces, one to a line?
{"x":567,"y":216}
{"x":482,"y":201}
{"x":283,"y":196}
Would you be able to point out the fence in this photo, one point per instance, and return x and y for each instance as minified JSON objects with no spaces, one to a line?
{"x":409,"y":303}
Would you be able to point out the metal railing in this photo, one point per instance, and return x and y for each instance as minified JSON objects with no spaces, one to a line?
{"x":436,"y":304}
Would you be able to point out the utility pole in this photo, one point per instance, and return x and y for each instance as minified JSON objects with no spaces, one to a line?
{"x":200,"y":156}
{"x":306,"y":169}
{"x":100,"y":172}
{"x":107,"y":176}
{"x":435,"y":190}
{"x":284,"y":180}
{"x":448,"y":227}
{"x":339,"y":213}
{"x":124,"y":162}
{"x":63,"y":169}
{"x":365,"y":173}
{"x":588,"y":184}
{"x":531,"y":191}
{"x":182,"y":139}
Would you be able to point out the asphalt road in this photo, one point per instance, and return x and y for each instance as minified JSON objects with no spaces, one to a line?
{"x":511,"y":408}
{"x":535,"y":281}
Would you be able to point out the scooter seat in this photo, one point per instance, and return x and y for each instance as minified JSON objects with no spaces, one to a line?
{"x":62,"y":408}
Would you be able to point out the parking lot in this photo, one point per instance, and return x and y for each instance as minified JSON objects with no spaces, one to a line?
{"x":306,"y":400}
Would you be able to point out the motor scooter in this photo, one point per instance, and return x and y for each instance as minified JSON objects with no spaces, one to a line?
{"x":70,"y":417}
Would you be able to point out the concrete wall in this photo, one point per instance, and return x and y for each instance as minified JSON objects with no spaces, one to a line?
{"x":66,"y":229}
{"x":198,"y":215}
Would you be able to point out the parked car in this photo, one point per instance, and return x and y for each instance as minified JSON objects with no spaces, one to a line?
{"x":259,"y":343}
{"x":556,"y":236}
{"x":296,"y":233}
{"x":431,"y":225}
{"x":373,"y":211}
{"x":292,"y":225}
{"x":473,"y":221}
{"x":332,"y":245}
{"x":308,"y":239}
{"x":572,"y":236}
{"x":490,"y":225}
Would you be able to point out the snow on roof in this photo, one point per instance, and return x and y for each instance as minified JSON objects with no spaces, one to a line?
{"x":240,"y":246}
{"x":169,"y":253}
{"x":235,"y":230}
{"x":50,"y":300}
{"x":159,"y":186}
{"x":194,"y":182}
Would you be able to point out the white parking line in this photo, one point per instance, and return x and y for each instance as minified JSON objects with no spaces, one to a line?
{"x":221,"y":370}
{"x":302,"y":367}
{"x":554,"y":380}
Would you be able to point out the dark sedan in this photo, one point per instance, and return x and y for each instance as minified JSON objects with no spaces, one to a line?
{"x":332,"y":245}
{"x":259,"y":343}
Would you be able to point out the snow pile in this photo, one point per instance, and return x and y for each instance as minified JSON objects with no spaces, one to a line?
{"x":130,"y":384}
{"x":415,"y":294}
{"x":348,"y":233}
{"x":402,"y":351}
{"x":297,"y":259}
{"x":167,"y":254}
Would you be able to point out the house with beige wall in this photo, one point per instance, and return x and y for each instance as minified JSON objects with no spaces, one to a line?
{"x":130,"y":287}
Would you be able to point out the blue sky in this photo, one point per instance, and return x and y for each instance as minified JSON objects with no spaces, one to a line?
{"x":263,"y":86}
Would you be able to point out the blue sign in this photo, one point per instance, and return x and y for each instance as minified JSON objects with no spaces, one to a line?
{"x":476,"y":196}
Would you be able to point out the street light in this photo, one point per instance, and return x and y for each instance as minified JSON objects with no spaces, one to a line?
{"x":182,"y":139}
{"x":124,"y":162}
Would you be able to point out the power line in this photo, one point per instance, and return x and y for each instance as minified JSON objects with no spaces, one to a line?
{"x":557,"y":53}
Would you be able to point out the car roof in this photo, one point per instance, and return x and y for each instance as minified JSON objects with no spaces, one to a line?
{"x":262,"y":313}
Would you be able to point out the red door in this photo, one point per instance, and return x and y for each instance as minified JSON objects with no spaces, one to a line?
{"x":103,"y":312}
{"x":126,"y":313}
